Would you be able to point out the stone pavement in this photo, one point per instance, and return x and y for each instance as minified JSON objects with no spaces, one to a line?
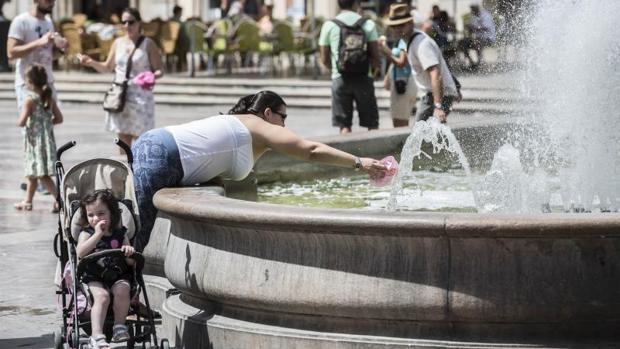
{"x":28,"y":311}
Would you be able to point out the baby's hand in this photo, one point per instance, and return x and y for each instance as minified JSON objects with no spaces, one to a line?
{"x":101,"y":226}
{"x":129,"y":250}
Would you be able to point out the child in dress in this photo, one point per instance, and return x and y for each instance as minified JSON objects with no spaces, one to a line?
{"x":103,"y":230}
{"x":39,"y":114}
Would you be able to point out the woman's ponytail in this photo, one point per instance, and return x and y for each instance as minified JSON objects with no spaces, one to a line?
{"x":37,"y":75}
{"x":242,"y":106}
{"x":257,"y":103}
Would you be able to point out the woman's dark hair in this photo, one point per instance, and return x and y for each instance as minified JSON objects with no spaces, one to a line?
{"x":37,"y":75}
{"x":257,"y":103}
{"x":106,"y":196}
{"x":134,"y":13}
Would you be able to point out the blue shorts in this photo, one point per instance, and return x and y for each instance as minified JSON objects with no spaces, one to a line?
{"x":156,"y":165}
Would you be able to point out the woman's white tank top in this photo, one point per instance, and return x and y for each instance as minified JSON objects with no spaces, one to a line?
{"x":215,"y":146}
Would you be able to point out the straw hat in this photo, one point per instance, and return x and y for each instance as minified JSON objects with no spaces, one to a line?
{"x":399,"y":14}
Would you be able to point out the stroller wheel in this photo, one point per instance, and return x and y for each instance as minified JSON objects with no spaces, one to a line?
{"x":58,"y":339}
{"x":164,"y":344}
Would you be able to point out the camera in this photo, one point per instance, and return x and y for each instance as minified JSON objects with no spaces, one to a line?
{"x":401,"y":86}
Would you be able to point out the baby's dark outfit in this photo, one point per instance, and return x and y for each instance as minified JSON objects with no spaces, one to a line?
{"x":108,"y":270}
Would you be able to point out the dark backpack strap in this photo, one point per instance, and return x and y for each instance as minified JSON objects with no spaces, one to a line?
{"x":360,"y":22}
{"x":339,"y":23}
{"x":415,"y":33}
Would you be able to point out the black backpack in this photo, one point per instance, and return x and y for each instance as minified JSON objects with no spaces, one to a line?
{"x":353,"y":57}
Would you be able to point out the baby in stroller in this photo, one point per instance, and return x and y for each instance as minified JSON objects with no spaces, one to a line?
{"x":110,"y":275}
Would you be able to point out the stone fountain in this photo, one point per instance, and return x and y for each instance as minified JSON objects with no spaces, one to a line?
{"x":233,"y":273}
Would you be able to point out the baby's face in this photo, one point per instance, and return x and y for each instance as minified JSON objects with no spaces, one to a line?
{"x":97,"y":212}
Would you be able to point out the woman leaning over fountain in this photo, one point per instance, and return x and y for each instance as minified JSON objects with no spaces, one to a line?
{"x":224,"y":146}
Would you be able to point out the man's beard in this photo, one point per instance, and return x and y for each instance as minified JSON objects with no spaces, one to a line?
{"x":43,"y":10}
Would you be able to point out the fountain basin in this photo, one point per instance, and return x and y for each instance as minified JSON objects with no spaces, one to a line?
{"x":405,"y":276}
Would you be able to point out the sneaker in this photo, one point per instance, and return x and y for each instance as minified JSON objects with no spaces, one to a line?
{"x":120,"y":333}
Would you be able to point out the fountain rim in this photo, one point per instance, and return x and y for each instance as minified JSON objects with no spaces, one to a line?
{"x":209,"y":205}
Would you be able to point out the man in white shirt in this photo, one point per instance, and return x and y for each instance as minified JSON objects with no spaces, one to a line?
{"x":481,"y":33}
{"x":31,"y":40}
{"x":431,"y":71}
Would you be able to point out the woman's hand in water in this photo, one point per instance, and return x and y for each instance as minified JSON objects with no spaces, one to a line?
{"x":128,"y":250}
{"x":373,"y":167}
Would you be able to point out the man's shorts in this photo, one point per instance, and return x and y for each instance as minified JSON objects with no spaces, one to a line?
{"x":360,"y":89}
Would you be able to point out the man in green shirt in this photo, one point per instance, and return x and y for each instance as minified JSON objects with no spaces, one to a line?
{"x":346,"y":86}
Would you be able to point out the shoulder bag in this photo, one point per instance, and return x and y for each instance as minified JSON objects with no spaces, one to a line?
{"x":114,"y":98}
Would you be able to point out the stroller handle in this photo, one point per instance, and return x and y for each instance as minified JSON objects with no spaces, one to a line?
{"x":64,"y":147}
{"x":117,"y":252}
{"x":126,"y":148}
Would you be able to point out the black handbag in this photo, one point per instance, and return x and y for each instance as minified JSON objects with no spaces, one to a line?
{"x":115,"y":97}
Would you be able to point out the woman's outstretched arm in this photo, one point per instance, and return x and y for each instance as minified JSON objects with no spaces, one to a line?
{"x":286,"y":142}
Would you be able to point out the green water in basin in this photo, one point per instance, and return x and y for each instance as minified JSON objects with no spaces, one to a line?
{"x":446,"y":191}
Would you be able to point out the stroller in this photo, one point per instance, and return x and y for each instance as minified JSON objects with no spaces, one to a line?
{"x":74,"y":297}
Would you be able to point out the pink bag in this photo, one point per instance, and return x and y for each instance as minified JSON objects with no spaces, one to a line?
{"x":146,"y":80}
{"x":388,"y":177}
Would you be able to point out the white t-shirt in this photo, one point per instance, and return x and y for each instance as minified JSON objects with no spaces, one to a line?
{"x":27,"y":28}
{"x":423,"y":54}
{"x":216,"y":146}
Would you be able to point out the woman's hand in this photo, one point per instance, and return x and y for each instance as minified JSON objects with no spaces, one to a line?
{"x":84,"y":59}
{"x":128,"y":250}
{"x":373,"y":167}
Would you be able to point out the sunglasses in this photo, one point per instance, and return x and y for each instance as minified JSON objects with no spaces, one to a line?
{"x":129,"y":22}
{"x":282,"y":115}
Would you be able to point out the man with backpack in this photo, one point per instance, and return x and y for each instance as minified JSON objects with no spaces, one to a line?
{"x":349,"y":47}
{"x":431,"y":71}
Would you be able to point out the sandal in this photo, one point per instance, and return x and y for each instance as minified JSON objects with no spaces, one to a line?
{"x":120,"y":333}
{"x":98,"y":342}
{"x":23,"y":205}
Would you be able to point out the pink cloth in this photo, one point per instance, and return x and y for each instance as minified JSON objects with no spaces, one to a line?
{"x":388,"y":177}
{"x":146,"y":80}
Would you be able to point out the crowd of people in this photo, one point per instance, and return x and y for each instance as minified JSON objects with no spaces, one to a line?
{"x":227,"y":146}
{"x":415,"y":52}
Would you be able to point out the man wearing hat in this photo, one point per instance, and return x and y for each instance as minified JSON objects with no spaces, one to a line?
{"x":431,"y":72}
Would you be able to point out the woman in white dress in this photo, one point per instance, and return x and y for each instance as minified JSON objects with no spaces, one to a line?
{"x":138,"y":116}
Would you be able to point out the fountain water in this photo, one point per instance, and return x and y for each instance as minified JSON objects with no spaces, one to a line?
{"x":250,"y":274}
{"x":571,"y":72}
{"x":441,"y":138}
{"x":575,"y":97}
